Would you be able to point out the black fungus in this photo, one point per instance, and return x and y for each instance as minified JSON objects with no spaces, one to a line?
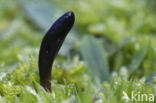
{"x":50,"y":46}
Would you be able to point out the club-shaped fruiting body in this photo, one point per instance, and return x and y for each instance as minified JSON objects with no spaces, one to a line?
{"x":50,"y":46}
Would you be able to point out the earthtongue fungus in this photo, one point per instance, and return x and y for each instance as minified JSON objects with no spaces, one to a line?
{"x":50,"y":46}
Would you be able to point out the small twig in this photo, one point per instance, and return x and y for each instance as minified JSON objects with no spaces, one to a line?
{"x":50,"y":46}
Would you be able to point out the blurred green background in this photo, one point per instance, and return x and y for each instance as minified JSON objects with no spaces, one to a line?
{"x":110,"y":39}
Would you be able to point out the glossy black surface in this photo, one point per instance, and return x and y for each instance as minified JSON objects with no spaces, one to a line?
{"x":50,"y":46}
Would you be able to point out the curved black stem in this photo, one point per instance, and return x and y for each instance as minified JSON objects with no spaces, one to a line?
{"x":50,"y":46}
